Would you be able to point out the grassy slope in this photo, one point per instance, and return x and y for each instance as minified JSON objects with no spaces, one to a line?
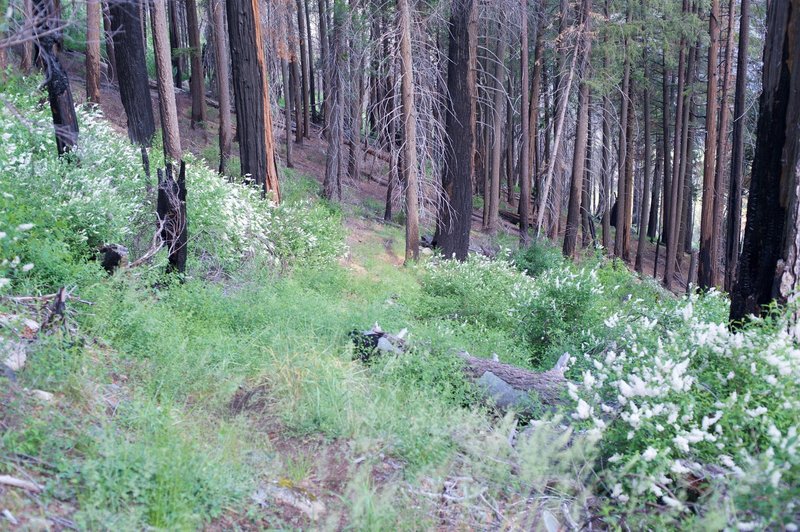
{"x":208,"y":403}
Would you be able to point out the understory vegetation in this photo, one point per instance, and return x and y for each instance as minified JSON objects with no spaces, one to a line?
{"x":670,"y":417}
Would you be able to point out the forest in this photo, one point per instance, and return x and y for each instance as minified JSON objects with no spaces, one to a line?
{"x":399,"y":264}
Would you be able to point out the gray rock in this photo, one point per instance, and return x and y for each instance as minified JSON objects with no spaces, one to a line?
{"x":503,"y":394}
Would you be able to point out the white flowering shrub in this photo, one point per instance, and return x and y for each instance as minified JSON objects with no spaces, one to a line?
{"x":98,"y":194}
{"x":688,"y":410}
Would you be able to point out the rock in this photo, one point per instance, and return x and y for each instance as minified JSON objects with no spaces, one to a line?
{"x":314,"y":509}
{"x":42,"y":395}
{"x":387,"y":347}
{"x":503,"y":394}
{"x":426,"y":251}
{"x":12,"y":353}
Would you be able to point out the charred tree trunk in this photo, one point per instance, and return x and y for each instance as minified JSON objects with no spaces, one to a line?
{"x":455,"y":212}
{"x":59,"y":94}
{"x":251,"y":88}
{"x":134,"y":87}
{"x":769,"y":264}
{"x":171,"y":211}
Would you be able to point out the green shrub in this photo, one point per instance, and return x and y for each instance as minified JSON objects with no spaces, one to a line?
{"x":539,"y":257}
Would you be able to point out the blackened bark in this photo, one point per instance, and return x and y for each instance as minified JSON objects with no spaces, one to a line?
{"x":171,"y":211}
{"x":65,"y":121}
{"x":134,"y":87}
{"x":251,"y":90}
{"x":455,"y":212}
{"x":775,"y":170}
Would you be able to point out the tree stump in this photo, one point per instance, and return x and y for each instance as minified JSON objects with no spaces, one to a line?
{"x":171,"y":212}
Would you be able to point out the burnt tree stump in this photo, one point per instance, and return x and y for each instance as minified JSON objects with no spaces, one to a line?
{"x":171,"y":212}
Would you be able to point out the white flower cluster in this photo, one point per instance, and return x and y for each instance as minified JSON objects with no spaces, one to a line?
{"x":680,"y":399}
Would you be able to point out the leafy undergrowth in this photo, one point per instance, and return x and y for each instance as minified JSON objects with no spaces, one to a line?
{"x":230,"y":398}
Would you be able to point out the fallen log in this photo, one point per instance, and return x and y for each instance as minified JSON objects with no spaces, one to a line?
{"x":508,"y":387}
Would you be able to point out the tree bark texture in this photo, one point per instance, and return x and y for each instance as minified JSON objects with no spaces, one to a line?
{"x":134,"y":87}
{"x":455,"y":212}
{"x":59,"y":94}
{"x":251,"y":89}
{"x":166,"y":93}
{"x":93,"y":22}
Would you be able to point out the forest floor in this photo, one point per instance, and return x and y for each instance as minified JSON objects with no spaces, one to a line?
{"x":234,"y":397}
{"x":369,"y":193}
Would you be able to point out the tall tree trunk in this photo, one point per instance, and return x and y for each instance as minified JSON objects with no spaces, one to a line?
{"x":324,"y":44}
{"x":312,"y":87}
{"x":769,"y":263}
{"x":251,"y":89}
{"x":644,"y":217}
{"x":498,"y":111}
{"x":559,"y":96}
{"x":672,"y":222}
{"x":134,"y":87}
{"x":622,"y":194}
{"x":666,"y":94}
{"x":197,"y":81}
{"x":166,"y":92}
{"x":295,"y":81}
{"x":26,"y":60}
{"x":734,"y":226}
{"x":587,"y":192}
{"x":629,"y":185}
{"x":175,"y":42}
{"x":722,"y":169}
{"x":304,"y":65}
{"x":709,"y":261}
{"x":59,"y":94}
{"x":410,"y":133}
{"x":455,"y":212}
{"x":288,"y":98}
{"x":223,"y":84}
{"x":605,"y":159}
{"x":334,"y":109}
{"x":581,"y":134}
{"x":93,"y":21}
{"x":525,"y":118}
